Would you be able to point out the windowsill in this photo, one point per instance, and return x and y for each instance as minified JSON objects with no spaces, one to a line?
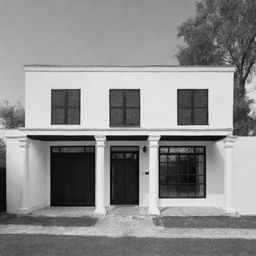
{"x":125,"y":126}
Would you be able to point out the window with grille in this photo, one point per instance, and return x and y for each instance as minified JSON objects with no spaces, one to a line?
{"x":182,"y":172}
{"x":192,"y":107}
{"x":124,"y":107}
{"x":65,"y":107}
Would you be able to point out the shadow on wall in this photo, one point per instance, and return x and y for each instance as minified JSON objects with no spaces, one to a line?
{"x":216,"y":161}
{"x":2,"y":189}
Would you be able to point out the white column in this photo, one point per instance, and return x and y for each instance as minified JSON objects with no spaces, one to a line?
{"x":24,"y":175}
{"x":100,"y":164}
{"x":153,"y":175}
{"x":228,"y":148}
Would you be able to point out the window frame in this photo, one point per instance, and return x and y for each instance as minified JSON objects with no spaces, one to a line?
{"x":66,"y":107}
{"x":193,"y":108}
{"x":204,"y":174}
{"x":124,"y":107}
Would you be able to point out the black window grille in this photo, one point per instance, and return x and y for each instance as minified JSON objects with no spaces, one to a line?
{"x":65,"y":107}
{"x":192,"y":107}
{"x":182,"y":172}
{"x":125,"y":107}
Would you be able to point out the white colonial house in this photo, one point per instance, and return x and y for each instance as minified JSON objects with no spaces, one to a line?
{"x":153,"y":136}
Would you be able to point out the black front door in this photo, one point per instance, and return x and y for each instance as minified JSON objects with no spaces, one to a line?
{"x":124,"y":177}
{"x":72,"y":176}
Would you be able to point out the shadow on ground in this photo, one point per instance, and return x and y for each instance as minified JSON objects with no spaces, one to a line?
{"x":85,"y":221}
{"x":243,"y":222}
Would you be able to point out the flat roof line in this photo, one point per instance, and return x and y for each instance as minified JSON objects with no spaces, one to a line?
{"x":146,"y":68}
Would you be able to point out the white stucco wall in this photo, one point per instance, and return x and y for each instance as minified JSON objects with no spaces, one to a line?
{"x":36,"y":177}
{"x":244,"y":175}
{"x":158,"y":95}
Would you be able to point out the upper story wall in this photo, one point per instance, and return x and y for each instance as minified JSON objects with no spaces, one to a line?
{"x":158,"y":93}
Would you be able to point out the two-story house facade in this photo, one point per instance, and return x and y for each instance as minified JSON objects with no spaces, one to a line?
{"x":153,"y":136}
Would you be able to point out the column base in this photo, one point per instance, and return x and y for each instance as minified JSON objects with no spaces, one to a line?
{"x":23,"y":211}
{"x":230,"y":211}
{"x":100,"y":211}
{"x":153,"y":211}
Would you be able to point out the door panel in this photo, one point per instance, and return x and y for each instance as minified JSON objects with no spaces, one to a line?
{"x":72,"y":179}
{"x":124,"y":178}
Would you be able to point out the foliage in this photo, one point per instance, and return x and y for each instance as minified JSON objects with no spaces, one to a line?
{"x":2,"y":152}
{"x":223,"y":33}
{"x":12,"y":115}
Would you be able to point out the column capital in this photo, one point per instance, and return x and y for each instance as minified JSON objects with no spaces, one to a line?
{"x":153,"y":140}
{"x":229,"y":141}
{"x":24,"y":142}
{"x":100,"y":141}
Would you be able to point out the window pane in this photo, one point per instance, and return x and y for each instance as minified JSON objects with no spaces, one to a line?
{"x":199,"y":149}
{"x":201,"y":98}
{"x":172,"y":190}
{"x":132,"y":116}
{"x":163,"y":150}
{"x":55,"y":150}
{"x":89,"y":149}
{"x":163,"y":191}
{"x":184,"y":98}
{"x":163,"y":173}
{"x":172,"y":179}
{"x":181,"y":150}
{"x":72,"y":149}
{"x":58,"y":116}
{"x":200,"y":116}
{"x":116,"y":98}
{"x":163,"y":158}
{"x":200,"y":168}
{"x":191,"y":179}
{"x":132,"y":98}
{"x":172,"y":158}
{"x":116,"y":116}
{"x":200,"y":158}
{"x":58,"y":98}
{"x":73,"y":116}
{"x":184,"y":116}
{"x":74,"y":98}
{"x":191,"y":190}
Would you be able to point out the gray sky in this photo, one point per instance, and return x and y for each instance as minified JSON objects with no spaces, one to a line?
{"x":85,"y":32}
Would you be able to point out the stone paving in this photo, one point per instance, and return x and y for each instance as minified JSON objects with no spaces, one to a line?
{"x":127,"y":221}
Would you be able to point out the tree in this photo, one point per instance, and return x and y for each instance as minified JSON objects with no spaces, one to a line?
{"x":12,"y":115}
{"x":223,"y":32}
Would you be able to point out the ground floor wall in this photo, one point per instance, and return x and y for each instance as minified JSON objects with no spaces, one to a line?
{"x":40,"y":170}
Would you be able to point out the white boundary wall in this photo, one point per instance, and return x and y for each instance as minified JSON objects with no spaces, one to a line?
{"x":244,"y":175}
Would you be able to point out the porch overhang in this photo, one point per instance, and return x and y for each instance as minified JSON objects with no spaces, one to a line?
{"x":192,"y":138}
{"x":60,"y":138}
{"x":123,"y":138}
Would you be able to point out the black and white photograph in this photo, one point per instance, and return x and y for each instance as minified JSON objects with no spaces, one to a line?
{"x":127,"y":127}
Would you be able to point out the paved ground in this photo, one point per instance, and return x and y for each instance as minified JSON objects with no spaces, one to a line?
{"x":78,"y":231}
{"x":103,"y":246}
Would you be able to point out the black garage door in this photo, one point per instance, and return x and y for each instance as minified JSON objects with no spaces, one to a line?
{"x":72,"y":176}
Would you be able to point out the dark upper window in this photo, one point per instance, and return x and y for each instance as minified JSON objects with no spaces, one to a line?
{"x":65,"y":106}
{"x":124,"y":107}
{"x":192,"y":107}
{"x":182,"y":172}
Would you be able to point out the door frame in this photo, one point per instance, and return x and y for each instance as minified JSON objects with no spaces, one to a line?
{"x":138,"y":171}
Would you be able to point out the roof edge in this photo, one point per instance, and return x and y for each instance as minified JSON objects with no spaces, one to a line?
{"x":148,"y":68}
